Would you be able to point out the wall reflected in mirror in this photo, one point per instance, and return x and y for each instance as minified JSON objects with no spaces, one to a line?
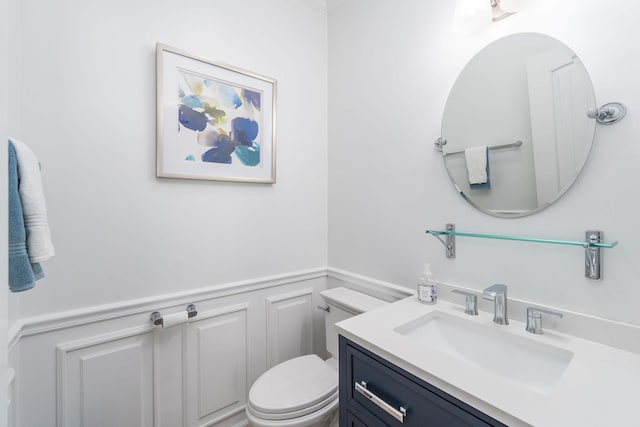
{"x":524,"y":87}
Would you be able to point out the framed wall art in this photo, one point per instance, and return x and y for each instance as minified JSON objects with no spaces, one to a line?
{"x":214,"y":121}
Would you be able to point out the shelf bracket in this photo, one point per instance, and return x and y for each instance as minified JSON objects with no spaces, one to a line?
{"x":450,"y":242}
{"x":593,"y":255}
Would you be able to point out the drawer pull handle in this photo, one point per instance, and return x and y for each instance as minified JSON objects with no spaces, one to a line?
{"x":395,"y":413}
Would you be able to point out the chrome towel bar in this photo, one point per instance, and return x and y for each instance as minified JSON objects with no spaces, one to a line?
{"x":491,"y":147}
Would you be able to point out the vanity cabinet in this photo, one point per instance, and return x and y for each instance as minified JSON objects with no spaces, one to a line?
{"x":374,"y":392}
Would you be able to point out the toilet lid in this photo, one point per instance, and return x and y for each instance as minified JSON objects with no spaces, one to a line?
{"x":294,"y":385}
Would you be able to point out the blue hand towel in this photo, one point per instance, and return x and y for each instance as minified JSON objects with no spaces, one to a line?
{"x":22,"y":274}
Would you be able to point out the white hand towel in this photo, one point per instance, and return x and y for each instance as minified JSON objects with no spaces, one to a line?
{"x":39,"y":245}
{"x":476,"y":158}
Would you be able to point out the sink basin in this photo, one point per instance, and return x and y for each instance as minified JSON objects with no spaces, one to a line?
{"x":534,"y":365}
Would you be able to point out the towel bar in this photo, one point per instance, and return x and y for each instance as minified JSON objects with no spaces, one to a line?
{"x":441,"y":142}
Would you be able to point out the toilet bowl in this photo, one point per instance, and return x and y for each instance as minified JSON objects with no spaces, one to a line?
{"x":303,"y":391}
{"x":299,"y":392}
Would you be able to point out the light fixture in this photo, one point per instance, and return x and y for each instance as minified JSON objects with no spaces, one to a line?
{"x":470,"y":14}
{"x":497,"y":13}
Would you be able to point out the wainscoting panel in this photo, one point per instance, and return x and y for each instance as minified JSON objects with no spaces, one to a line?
{"x":216,"y":365}
{"x":107,"y":381}
{"x":289,"y":326}
{"x":109,"y":366}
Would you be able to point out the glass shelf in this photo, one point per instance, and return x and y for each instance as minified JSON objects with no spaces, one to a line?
{"x":523,"y":239}
{"x":592,"y":245}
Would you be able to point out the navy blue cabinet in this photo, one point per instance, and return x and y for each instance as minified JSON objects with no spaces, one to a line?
{"x":374,"y":392}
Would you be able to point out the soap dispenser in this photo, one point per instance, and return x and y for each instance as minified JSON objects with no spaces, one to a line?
{"x":427,"y":286}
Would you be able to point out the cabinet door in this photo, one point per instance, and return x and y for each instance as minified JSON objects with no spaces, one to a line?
{"x":397,"y":390}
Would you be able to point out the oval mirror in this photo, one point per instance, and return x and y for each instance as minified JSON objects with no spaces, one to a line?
{"x":516,"y":126}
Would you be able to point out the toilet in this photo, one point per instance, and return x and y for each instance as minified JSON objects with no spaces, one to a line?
{"x":303,"y":391}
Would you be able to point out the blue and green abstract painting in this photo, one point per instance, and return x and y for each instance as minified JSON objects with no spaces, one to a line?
{"x":218,"y":122}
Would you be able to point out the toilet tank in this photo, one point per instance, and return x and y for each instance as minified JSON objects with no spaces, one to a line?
{"x":344,"y":303}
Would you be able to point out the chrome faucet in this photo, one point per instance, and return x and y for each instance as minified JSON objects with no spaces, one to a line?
{"x":498,"y":294}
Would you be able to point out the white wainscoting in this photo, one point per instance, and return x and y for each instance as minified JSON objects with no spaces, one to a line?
{"x":109,"y":366}
{"x":217,"y":354}
{"x":107,"y":380}
{"x":289,"y":326}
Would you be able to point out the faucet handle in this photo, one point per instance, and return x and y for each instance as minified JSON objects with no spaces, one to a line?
{"x":534,"y":319}
{"x":471,"y":302}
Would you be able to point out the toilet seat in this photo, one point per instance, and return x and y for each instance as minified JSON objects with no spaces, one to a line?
{"x":310,"y":411}
{"x":293,"y":389}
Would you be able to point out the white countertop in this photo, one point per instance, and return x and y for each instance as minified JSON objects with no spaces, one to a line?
{"x":600,"y":386}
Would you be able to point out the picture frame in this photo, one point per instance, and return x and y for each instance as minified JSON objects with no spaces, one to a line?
{"x":214,"y":121}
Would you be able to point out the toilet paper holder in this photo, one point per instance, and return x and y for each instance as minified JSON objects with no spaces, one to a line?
{"x":156,"y":316}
